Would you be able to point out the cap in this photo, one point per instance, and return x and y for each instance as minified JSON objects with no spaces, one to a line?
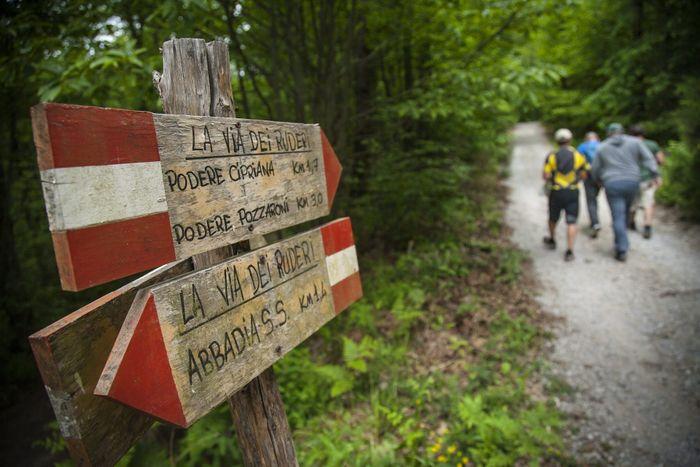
{"x":615,"y":128}
{"x":563,"y":135}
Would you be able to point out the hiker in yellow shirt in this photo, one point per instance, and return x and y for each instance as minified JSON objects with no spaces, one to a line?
{"x":563,"y":170}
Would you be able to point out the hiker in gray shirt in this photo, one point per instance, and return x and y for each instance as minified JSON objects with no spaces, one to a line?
{"x":617,"y":166}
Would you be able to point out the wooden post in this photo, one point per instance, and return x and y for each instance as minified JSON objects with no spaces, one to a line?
{"x":196,"y":81}
{"x":261,"y":424}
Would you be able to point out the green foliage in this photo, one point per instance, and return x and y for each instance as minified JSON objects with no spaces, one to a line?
{"x":496,"y":423}
{"x":681,"y":185}
{"x":499,"y":436}
{"x":510,"y":266}
{"x":632,"y":62}
{"x":417,"y":98}
{"x":387,"y":414}
{"x":209,"y":442}
{"x":303,"y":386}
{"x":54,"y":443}
{"x":682,"y":170}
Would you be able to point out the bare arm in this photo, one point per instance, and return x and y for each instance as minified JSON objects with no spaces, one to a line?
{"x":660,"y":157}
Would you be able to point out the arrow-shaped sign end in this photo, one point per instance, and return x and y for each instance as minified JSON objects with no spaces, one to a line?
{"x":332,"y":167}
{"x":138,"y":372}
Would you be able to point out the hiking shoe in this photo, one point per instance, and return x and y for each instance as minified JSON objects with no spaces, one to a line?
{"x":550,"y":242}
{"x":568,"y":256}
{"x":647,"y":231}
{"x":595,"y":228}
{"x":621,"y":256}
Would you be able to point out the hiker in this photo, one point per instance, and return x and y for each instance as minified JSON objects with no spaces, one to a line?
{"x":563,"y":170}
{"x":617,"y":166}
{"x":592,"y":188}
{"x":647,"y":187}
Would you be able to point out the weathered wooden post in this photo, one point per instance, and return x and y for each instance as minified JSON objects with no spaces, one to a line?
{"x":196,"y":80}
{"x":127,"y":191}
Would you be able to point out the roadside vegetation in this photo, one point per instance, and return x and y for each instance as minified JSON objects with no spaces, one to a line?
{"x":630,"y":62}
{"x":440,"y":362}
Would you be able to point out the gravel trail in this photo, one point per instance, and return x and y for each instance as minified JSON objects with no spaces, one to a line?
{"x":629,"y":344}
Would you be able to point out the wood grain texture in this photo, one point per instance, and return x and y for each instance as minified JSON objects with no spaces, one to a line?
{"x":145,"y":350}
{"x":199,"y":161}
{"x":221,"y":180}
{"x":238,"y":180}
{"x":71,"y":354}
{"x":84,"y":196}
{"x":261,"y":424}
{"x":341,"y":259}
{"x":277,"y":441}
{"x":95,"y":255}
{"x":224,"y":325}
{"x":76,"y":135}
{"x":342,"y":265}
{"x":346,"y":292}
{"x":42,"y":140}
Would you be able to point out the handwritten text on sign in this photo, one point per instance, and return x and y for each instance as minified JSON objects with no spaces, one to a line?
{"x":233,"y":180}
{"x":190,"y":343}
{"x":126,"y":191}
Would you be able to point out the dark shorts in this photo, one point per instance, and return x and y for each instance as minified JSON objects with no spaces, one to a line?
{"x":563,"y":200}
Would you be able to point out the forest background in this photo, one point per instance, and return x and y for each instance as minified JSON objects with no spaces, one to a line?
{"x":417,"y":99}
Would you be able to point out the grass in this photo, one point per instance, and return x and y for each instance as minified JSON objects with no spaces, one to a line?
{"x":439,"y":364}
{"x":448,"y":338}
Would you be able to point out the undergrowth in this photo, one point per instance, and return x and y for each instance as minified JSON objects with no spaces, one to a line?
{"x":437,"y":364}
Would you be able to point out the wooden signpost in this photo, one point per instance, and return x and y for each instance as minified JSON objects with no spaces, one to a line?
{"x":71,"y":354}
{"x":127,"y":191}
{"x":188,"y":344}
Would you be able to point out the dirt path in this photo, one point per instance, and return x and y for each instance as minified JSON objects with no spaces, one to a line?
{"x":630,"y":342}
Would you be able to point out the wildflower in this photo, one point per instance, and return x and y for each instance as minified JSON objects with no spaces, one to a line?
{"x":436,"y":447}
{"x":451,"y":449}
{"x":460,"y":465}
{"x":442,"y":458}
{"x":465,"y":461}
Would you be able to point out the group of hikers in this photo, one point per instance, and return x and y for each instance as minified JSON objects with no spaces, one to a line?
{"x":625,"y":165}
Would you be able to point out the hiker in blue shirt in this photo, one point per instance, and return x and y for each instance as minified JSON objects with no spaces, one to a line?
{"x":588,"y":149}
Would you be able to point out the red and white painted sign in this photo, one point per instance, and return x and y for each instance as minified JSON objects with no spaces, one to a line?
{"x":188,"y":344}
{"x":126,"y":191}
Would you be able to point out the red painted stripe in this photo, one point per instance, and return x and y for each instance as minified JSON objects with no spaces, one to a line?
{"x":81,"y":135}
{"x":332,"y":167}
{"x":337,"y":235}
{"x":347,"y":292}
{"x":98,"y":254}
{"x":144,"y":379}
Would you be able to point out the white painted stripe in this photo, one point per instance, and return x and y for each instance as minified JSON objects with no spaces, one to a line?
{"x":83,"y":196}
{"x":342,"y":264}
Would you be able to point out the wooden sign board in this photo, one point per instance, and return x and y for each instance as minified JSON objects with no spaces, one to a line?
{"x":71,"y":354}
{"x":126,"y":191}
{"x":188,"y":344}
